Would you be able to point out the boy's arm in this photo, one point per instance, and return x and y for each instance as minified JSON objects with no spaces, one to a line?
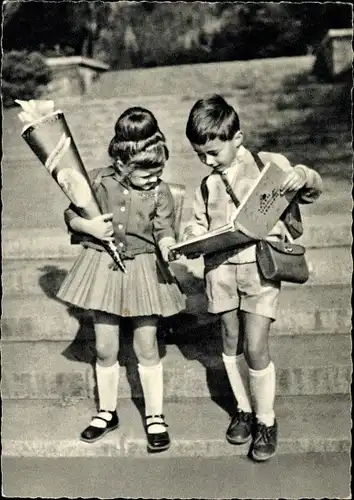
{"x":199,"y":225}
{"x":313,"y":184}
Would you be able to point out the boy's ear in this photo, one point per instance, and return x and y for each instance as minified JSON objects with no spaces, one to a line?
{"x":238,"y":138}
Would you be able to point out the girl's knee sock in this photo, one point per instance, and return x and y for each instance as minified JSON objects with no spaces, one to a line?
{"x":262,"y":385}
{"x":151,"y":378}
{"x":238,"y":373}
{"x":107,"y":385}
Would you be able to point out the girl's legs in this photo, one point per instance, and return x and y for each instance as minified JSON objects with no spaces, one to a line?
{"x":107,"y":367}
{"x":107,"y":376}
{"x":150,"y":370}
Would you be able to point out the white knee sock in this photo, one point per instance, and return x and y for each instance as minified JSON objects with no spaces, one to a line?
{"x":237,"y":371}
{"x":262,"y":385}
{"x":151,"y":378}
{"x":107,"y":385}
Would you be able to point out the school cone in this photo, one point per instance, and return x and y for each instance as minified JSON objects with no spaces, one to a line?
{"x":48,"y":135}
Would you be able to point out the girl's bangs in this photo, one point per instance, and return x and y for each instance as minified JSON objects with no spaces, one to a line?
{"x":155,"y":155}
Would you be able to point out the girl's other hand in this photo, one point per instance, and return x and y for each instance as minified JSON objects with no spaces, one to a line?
{"x":294,"y":181}
{"x":101,"y":227}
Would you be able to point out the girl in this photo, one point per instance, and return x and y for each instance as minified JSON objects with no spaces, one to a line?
{"x":139,"y":218}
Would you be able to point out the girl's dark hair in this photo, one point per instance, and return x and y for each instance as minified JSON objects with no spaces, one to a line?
{"x":138,"y":141}
{"x":210,"y":118}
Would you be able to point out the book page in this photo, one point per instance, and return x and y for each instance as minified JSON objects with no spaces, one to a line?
{"x":263,"y":206}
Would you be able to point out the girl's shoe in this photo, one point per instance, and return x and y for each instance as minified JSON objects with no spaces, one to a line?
{"x":93,"y":433}
{"x":159,"y":441}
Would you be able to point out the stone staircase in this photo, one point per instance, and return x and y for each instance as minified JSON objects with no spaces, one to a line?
{"x":48,"y":387}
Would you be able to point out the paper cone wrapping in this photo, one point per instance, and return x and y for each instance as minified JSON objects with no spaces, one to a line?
{"x":51,"y":141}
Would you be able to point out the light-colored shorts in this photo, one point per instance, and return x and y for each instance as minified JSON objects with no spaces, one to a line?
{"x":241,"y":286}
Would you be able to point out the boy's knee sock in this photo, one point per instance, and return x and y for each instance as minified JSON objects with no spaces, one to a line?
{"x":107,"y":378}
{"x":262,"y":385}
{"x":237,"y":371}
{"x":151,"y":378}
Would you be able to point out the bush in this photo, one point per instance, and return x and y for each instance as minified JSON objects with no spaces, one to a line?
{"x":24,"y":74}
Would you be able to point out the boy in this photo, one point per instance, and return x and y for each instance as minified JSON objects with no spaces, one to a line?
{"x":235,"y":289}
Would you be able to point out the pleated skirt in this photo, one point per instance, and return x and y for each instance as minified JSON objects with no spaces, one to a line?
{"x":146,"y":289}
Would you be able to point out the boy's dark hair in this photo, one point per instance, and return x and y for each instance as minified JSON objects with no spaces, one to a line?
{"x":210,"y":118}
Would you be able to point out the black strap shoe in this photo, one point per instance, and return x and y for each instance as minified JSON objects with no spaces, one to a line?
{"x":265,"y":442}
{"x":93,"y":433}
{"x":240,"y":428}
{"x":159,"y":441}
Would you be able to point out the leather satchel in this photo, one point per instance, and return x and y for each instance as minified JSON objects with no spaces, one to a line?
{"x":282,"y":261}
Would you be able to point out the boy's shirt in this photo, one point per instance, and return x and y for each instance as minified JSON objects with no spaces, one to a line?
{"x":241,"y":175}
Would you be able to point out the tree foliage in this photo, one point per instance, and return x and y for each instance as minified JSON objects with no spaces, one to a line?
{"x":133,"y":34}
{"x":24,"y":75}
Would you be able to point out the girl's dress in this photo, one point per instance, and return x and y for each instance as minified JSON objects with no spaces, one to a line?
{"x":141,"y":219}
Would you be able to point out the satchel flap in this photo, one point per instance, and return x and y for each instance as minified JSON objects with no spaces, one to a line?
{"x":287,"y":248}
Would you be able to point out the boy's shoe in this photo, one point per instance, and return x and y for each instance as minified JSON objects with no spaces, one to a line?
{"x":159,"y":441}
{"x":240,"y":428}
{"x":93,"y":433}
{"x":265,"y":442}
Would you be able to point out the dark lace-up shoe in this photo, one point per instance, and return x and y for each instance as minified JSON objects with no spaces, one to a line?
{"x":240,"y":428}
{"x":265,"y":442}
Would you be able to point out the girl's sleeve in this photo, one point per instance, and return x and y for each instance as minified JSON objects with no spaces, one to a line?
{"x":313,"y":187}
{"x":163,"y":229}
{"x":71,"y":212}
{"x":199,"y":224}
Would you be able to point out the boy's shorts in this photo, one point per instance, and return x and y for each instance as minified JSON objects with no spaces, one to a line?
{"x":241,"y":286}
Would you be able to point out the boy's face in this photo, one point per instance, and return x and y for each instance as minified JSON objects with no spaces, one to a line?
{"x":218,"y":154}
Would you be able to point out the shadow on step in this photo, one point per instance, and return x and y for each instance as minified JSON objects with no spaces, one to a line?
{"x":196,"y":334}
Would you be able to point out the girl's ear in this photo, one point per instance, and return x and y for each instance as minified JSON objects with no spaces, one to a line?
{"x":238,"y":138}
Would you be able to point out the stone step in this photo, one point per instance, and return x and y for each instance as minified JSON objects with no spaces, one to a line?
{"x":312,"y":364}
{"x":197,"y":428}
{"x":313,"y":310}
{"x":320,"y":231}
{"x":330,"y":266}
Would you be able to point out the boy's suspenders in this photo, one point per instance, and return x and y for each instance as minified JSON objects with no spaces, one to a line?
{"x":291,"y":216}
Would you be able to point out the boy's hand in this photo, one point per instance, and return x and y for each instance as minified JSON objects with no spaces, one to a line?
{"x":294,"y":181}
{"x":101,"y":227}
{"x":188,"y":234}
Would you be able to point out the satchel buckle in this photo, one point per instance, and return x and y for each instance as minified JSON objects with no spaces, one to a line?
{"x":288,"y":249}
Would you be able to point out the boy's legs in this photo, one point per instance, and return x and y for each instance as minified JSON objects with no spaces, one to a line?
{"x":221,"y":289}
{"x":107,"y":376}
{"x":258,"y":305}
{"x":151,"y":376}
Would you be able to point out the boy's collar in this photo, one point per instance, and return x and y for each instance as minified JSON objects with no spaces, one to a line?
{"x":238,"y":158}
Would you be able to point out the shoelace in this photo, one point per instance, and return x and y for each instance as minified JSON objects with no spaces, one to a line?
{"x":263,"y":433}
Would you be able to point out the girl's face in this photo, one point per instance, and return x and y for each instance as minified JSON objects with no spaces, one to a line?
{"x":146,"y":178}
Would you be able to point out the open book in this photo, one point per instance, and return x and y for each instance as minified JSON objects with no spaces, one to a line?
{"x":256,"y":215}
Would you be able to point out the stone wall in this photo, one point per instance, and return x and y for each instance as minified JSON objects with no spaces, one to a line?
{"x":72,"y":76}
{"x":334,"y":55}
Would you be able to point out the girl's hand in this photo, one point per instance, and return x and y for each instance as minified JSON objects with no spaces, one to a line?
{"x":101,"y":227}
{"x":294,"y":181}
